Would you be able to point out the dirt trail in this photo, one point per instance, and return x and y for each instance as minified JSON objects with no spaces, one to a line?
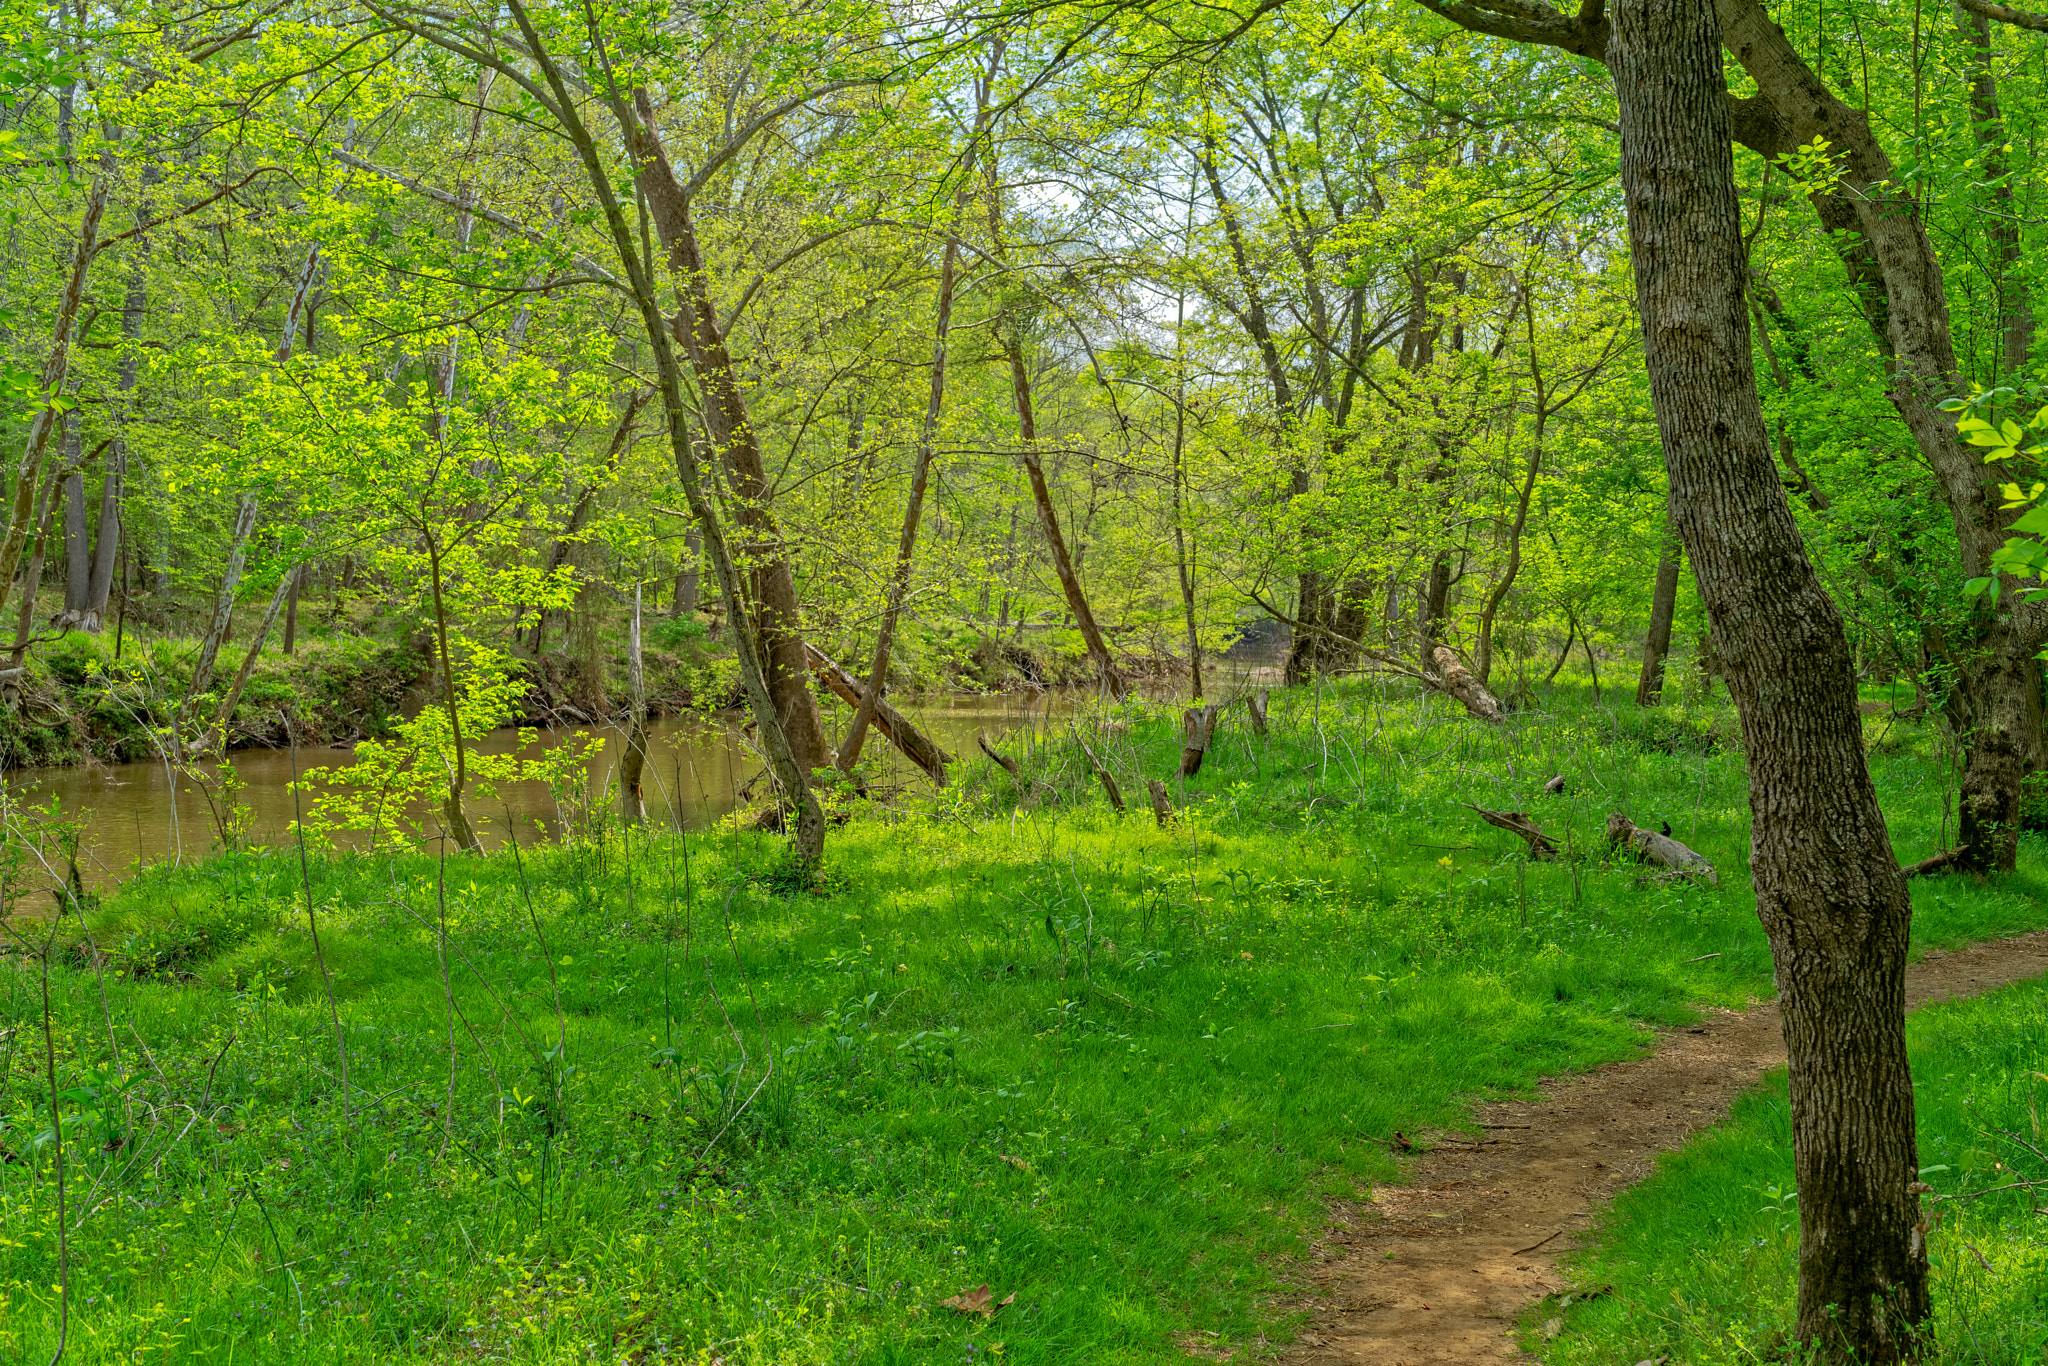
{"x":1436,"y":1273}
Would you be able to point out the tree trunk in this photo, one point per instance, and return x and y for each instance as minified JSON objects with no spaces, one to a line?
{"x":77,"y":539}
{"x":291,"y":611}
{"x":28,"y":470}
{"x":114,"y":476}
{"x":1663,"y":606}
{"x":1828,"y":889}
{"x":777,"y":620}
{"x":633,"y":760}
{"x":1049,"y":522}
{"x":898,"y":729}
{"x":688,"y":578}
{"x":1482,"y":656}
{"x":1436,"y":605}
{"x":787,"y":754}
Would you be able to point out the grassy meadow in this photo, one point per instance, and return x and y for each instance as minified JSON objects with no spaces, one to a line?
{"x":643,"y":1097}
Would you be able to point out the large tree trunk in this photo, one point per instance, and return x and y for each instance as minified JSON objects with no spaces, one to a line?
{"x":1828,"y":889}
{"x":77,"y":538}
{"x":1663,"y":607}
{"x":777,"y":618}
{"x":699,"y":328}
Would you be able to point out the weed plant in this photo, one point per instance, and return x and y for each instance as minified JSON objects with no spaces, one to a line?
{"x":645,"y":1097}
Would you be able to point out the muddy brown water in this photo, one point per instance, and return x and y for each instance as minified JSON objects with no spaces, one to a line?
{"x":141,"y":813}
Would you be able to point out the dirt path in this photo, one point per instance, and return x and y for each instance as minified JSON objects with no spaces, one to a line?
{"x":1436,"y":1273}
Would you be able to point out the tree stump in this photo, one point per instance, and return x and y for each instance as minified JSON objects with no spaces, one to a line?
{"x":1161,"y":807}
{"x":1197,"y":725}
{"x":1255,"y":704}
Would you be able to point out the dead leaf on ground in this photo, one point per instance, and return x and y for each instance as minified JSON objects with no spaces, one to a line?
{"x":977,"y":1301}
{"x":1019,"y":1163}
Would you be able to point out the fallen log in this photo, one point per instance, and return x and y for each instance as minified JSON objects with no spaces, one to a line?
{"x":1939,"y":863}
{"x":1541,"y":846}
{"x":1103,"y":775}
{"x":1161,"y":807}
{"x":1660,"y":849}
{"x":1197,"y":725}
{"x":1009,"y":764}
{"x":1457,"y":680}
{"x":898,"y":729}
{"x":1555,"y":787}
{"x":1255,"y":704}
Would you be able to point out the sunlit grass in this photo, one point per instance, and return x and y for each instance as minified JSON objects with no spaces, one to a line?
{"x":1016,"y":1039}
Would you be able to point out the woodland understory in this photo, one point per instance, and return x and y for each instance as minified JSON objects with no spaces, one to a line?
{"x":1368,"y":379}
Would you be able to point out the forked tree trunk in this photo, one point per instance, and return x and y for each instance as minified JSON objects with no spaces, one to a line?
{"x":1828,"y":889}
{"x":1663,"y":606}
{"x":777,"y":619}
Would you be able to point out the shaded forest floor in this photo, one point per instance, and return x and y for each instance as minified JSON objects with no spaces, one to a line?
{"x":649,"y":1098}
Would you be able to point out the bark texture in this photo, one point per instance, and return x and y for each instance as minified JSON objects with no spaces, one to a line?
{"x":1663,"y":606}
{"x":1829,"y":892}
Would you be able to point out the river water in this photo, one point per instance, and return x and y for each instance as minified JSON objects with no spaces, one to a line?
{"x":140,"y":813}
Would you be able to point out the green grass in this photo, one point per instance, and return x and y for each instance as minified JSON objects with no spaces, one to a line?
{"x":1698,"y":1262}
{"x":1015,"y":1038}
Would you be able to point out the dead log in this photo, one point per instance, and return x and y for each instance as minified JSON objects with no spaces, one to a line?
{"x":1009,"y":764}
{"x":898,"y":729}
{"x":1555,"y":787}
{"x":1455,"y":679}
{"x":1255,"y":704}
{"x":1939,"y":863}
{"x":1660,"y":849}
{"x":1103,"y":775}
{"x":1161,"y":807}
{"x":1541,"y":846}
{"x":1197,"y":725}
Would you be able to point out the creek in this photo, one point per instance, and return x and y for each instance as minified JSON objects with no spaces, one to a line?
{"x":139,"y":813}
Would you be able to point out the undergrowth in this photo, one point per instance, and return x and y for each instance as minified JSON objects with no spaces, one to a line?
{"x":642,"y":1098}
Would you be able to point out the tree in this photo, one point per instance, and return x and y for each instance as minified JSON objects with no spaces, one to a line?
{"x":1829,"y":891}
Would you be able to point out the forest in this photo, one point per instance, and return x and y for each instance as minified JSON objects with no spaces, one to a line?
{"x":1359,"y":683}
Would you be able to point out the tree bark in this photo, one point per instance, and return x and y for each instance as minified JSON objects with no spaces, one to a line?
{"x":1828,"y":889}
{"x":1663,"y":607}
{"x":777,"y":619}
{"x":690,"y":575}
